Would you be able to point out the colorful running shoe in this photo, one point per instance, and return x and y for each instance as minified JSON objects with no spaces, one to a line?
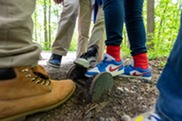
{"x":143,"y":117}
{"x":130,"y":71}
{"x":108,"y":64}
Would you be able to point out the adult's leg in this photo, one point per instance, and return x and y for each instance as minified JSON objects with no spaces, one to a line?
{"x":98,"y":37}
{"x":16,"y":46}
{"x":66,"y":27}
{"x":84,"y":20}
{"x":89,"y":58}
{"x":98,"y":30}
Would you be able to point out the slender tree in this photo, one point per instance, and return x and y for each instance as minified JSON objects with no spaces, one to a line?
{"x":50,"y":30}
{"x":45,"y":24}
{"x":150,"y":18}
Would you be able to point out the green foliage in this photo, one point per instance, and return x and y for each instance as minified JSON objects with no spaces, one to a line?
{"x":167,"y":16}
{"x":73,"y":45}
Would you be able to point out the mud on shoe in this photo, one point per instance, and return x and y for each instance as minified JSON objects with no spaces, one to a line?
{"x":108,"y":64}
{"x":26,"y":90}
{"x":88,"y":59}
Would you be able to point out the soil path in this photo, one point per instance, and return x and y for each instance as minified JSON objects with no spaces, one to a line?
{"x":128,"y":96}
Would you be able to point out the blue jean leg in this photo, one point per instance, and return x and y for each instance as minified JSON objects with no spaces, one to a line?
{"x":114,"y":19}
{"x":169,"y":104}
{"x":135,"y":26}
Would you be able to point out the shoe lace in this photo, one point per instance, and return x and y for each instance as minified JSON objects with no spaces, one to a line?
{"x":41,"y":76}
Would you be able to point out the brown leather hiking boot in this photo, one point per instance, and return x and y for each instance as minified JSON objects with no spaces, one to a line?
{"x":26,"y":90}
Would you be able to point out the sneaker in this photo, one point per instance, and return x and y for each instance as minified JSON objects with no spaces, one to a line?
{"x":108,"y":64}
{"x":130,"y":71}
{"x":143,"y":117}
{"x":25,"y":90}
{"x":55,"y":61}
{"x":88,"y":59}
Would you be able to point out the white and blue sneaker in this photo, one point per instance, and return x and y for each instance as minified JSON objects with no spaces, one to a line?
{"x":131,"y":71}
{"x":55,"y":61}
{"x":108,"y":64}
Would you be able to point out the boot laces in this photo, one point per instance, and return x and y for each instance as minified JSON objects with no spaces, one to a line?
{"x":39,"y":79}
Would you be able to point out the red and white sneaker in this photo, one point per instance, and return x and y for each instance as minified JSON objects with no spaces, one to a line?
{"x":131,"y":71}
{"x":108,"y":64}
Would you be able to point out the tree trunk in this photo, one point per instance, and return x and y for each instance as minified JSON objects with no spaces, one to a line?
{"x":150,"y":19}
{"x":50,"y":5}
{"x":45,"y":25}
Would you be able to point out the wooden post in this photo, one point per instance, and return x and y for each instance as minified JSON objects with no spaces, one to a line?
{"x":101,"y":50}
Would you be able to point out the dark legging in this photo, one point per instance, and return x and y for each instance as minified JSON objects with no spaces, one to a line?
{"x":116,"y":11}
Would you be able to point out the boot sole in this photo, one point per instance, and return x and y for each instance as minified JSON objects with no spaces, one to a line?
{"x":100,"y":84}
{"x":22,"y":117}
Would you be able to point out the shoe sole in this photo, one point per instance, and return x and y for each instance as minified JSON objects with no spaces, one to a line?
{"x":52,"y":65}
{"x":118,"y":73}
{"x":146,"y":79}
{"x":22,"y":116}
{"x":82,"y":62}
{"x":100,"y":84}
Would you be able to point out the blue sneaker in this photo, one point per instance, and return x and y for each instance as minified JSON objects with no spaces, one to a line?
{"x":55,"y":61}
{"x":149,"y":116}
{"x":108,"y":64}
{"x":130,"y":71}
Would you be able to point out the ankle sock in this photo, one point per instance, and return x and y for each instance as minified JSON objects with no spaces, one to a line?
{"x":141,"y":61}
{"x":114,"y":51}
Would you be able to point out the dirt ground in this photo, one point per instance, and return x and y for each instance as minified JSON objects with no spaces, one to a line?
{"x":128,"y":96}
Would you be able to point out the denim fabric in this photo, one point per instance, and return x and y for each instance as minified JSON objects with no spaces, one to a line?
{"x":135,"y":26}
{"x":130,"y":11}
{"x":169,"y":104}
{"x":114,"y":19}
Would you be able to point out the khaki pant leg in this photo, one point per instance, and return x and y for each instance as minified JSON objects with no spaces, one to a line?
{"x":16,"y":46}
{"x":84,"y":21}
{"x":66,"y":27}
{"x":98,"y":31}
